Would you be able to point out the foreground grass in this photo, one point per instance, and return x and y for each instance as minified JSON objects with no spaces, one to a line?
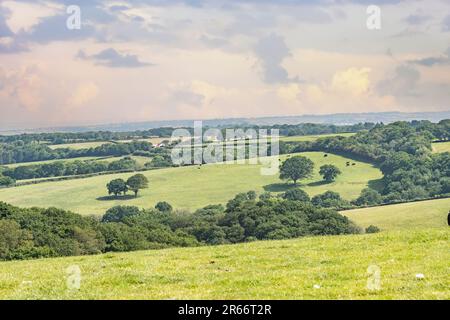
{"x":260,"y":270}
{"x":423,"y":214}
{"x":188,"y":187}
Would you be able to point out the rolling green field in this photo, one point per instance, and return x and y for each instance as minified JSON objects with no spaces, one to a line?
{"x":187,"y":187}
{"x":79,"y":145}
{"x":94,"y":144}
{"x":439,"y":147}
{"x":308,"y":268}
{"x":413,"y":215}
{"x":314,"y":137}
{"x":15,"y":165}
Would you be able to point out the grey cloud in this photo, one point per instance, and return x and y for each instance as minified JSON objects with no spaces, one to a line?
{"x":15,"y":45}
{"x":112,"y":58}
{"x":188,"y":97}
{"x":4,"y":29}
{"x":432,"y":61}
{"x":446,"y":24}
{"x":404,"y":82}
{"x":118,"y":8}
{"x":271,"y":51}
{"x":417,"y":19}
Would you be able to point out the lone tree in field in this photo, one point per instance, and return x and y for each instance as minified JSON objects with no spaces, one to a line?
{"x":137,"y":182}
{"x":296,"y":168}
{"x":117,"y":187}
{"x":329,"y":172}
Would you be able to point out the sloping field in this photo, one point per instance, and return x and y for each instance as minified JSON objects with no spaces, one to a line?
{"x":187,"y":187}
{"x":15,"y":165}
{"x":94,"y":144}
{"x":440,"y":147}
{"x":314,"y":137}
{"x":309,"y":268}
{"x":413,"y":215}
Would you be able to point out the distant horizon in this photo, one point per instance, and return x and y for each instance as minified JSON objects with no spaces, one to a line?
{"x":165,"y":123}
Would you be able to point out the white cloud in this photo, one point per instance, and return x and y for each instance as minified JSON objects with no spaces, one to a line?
{"x":24,"y":16}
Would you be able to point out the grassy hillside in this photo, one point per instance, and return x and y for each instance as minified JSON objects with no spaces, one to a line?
{"x":187,"y":187}
{"x":439,"y":147}
{"x":87,"y":145}
{"x":424,"y":214}
{"x":79,"y":145}
{"x":314,"y":137}
{"x":260,"y":270}
{"x":15,"y":165}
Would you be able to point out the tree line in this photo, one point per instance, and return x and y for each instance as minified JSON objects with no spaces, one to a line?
{"x":68,"y":168}
{"x":19,"y":151}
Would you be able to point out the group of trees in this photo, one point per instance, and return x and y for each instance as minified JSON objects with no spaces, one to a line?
{"x":54,"y":138}
{"x":69,"y":168}
{"x":19,"y":151}
{"x":304,"y":129}
{"x":134,"y":183}
{"x":35,"y":233}
{"x":299,"y":167}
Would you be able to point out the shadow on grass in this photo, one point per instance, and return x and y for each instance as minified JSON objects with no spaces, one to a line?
{"x":112,"y":198}
{"x":319,"y":183}
{"x":279,"y":187}
{"x":283,"y":187}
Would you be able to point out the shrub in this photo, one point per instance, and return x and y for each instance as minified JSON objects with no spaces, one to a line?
{"x":296,"y":195}
{"x":119,"y":213}
{"x":372,"y":229}
{"x":163,"y":206}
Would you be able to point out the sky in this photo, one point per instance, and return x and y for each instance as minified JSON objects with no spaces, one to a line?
{"x":143,"y":60}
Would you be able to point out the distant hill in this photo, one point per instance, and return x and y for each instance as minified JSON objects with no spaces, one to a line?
{"x":337,"y":119}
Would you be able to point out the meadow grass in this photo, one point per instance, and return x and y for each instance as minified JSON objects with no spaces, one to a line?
{"x":314,"y":137}
{"x":94,"y":144}
{"x":189,"y":187}
{"x":331,"y":267}
{"x":15,"y":165}
{"x":79,"y":145}
{"x":439,"y":147}
{"x":413,"y":215}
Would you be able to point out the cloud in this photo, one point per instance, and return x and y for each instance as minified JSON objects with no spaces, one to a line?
{"x":446,"y":24}
{"x":23,"y":86}
{"x":271,"y":51}
{"x":403,"y":82}
{"x":5,"y":31}
{"x":289,"y":92}
{"x":83,"y":94}
{"x":417,"y":19}
{"x":443,"y":59}
{"x":353,"y":81}
{"x":25,"y":16}
{"x":113,"y":59}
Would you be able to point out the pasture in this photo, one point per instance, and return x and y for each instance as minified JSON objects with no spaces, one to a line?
{"x":189,"y":187}
{"x":333,"y":267}
{"x":412,"y":215}
{"x":313,"y":137}
{"x":94,"y":144}
{"x":439,"y":147}
{"x":15,"y":165}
